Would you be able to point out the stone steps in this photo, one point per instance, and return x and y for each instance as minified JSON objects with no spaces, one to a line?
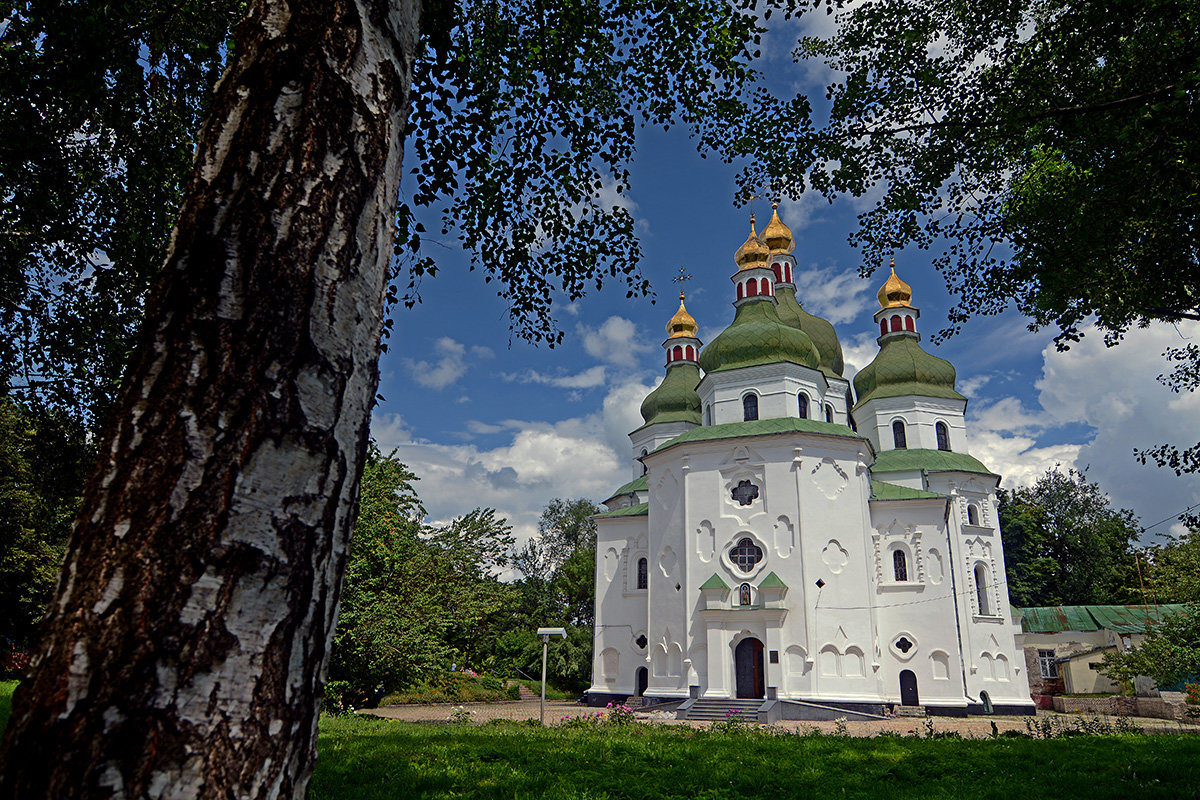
{"x":910,"y":711}
{"x":721,"y":709}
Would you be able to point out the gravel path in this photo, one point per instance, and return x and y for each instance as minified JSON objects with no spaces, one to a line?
{"x":977,"y":727}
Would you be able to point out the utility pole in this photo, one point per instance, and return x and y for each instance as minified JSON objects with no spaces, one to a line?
{"x":546,"y":633}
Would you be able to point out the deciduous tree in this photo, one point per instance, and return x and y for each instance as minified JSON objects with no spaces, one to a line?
{"x":187,"y":641}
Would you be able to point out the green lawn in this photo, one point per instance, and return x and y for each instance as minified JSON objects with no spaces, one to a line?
{"x":366,"y":759}
{"x":371,"y":759}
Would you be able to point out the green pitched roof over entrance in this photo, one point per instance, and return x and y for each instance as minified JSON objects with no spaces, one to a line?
{"x":675,"y":399}
{"x":929,"y":460}
{"x":902,"y":368}
{"x":820,"y":331}
{"x":772,"y":581}
{"x":714,"y":582}
{"x":757,"y":336}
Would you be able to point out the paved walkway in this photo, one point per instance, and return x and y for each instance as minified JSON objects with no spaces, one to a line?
{"x":977,"y":727}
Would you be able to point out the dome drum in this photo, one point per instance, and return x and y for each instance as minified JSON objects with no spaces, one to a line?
{"x":756,"y":282}
{"x":682,"y":350}
{"x":784,"y":266}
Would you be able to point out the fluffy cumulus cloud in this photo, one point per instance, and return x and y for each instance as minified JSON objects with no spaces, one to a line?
{"x":1111,"y":394}
{"x":448,"y":365}
{"x":615,"y":341}
{"x":838,"y":295}
{"x":585,"y":456}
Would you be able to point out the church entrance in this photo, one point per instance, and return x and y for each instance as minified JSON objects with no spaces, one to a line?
{"x":908,"y":689}
{"x":643,"y":681}
{"x":748,"y":668}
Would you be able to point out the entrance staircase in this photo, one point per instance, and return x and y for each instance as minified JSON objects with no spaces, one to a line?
{"x":910,"y":711}
{"x":719,"y":709}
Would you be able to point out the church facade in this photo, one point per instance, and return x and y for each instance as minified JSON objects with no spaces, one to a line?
{"x":791,"y":538}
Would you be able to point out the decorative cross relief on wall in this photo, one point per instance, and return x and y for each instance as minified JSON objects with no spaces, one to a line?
{"x":909,"y":537}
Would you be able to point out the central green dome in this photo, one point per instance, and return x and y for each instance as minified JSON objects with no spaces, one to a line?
{"x":758,"y":336}
{"x":902,"y":368}
{"x":675,"y":399}
{"x":820,"y":331}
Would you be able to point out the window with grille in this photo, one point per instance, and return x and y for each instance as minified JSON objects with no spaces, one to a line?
{"x":750,"y":408}
{"x":643,"y":573}
{"x":900,"y":565}
{"x":746,"y":554}
{"x":898,"y":437}
{"x":943,"y":436}
{"x":1046,"y":663}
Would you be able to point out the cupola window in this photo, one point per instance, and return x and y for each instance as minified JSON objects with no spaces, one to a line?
{"x":803,"y":405}
{"x":898,"y":438}
{"x":745,"y":554}
{"x":900,"y":566}
{"x":828,"y":413}
{"x":643,"y":573}
{"x":750,"y":407}
{"x":943,"y":436}
{"x":896,"y":323}
{"x":909,"y":325}
{"x":882,"y":327}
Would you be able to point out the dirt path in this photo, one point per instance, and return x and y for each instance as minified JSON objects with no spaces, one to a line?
{"x":975,"y":727}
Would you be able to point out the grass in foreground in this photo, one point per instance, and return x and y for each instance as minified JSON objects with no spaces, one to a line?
{"x":371,"y":759}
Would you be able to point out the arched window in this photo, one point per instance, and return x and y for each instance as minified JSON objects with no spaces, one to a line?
{"x":803,"y":405}
{"x":744,"y":594}
{"x":708,"y":415}
{"x":909,"y":325}
{"x":676,"y":353}
{"x":643,"y":573}
{"x":898,"y":437}
{"x":943,"y":436}
{"x":882,"y":323}
{"x":972,"y":515}
{"x":691,"y":353}
{"x":900,"y":565}
{"x":750,"y":407}
{"x":751,"y":288}
{"x":896,"y":322}
{"x":764,"y":286}
{"x":777,"y":268}
{"x":645,"y":469}
{"x":739,"y":291}
{"x":787,"y":271}
{"x":828,"y":413}
{"x":981,"y":593}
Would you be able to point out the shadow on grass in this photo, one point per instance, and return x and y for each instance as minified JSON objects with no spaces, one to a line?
{"x":363,"y":759}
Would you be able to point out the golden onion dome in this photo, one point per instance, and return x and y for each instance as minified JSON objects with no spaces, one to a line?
{"x":753,"y":252}
{"x":776,"y":235}
{"x":682,"y":323}
{"x":894,"y":291}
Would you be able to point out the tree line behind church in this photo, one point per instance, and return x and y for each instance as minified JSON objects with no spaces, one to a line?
{"x":422,"y":599}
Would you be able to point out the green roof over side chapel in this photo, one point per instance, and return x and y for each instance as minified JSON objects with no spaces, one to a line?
{"x":928,"y":460}
{"x":638,"y":510}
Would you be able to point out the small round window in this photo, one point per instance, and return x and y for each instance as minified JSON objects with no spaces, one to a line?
{"x":746,"y":554}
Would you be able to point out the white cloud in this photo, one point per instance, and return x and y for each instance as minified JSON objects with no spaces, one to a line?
{"x":450,"y":365}
{"x":858,"y":351}
{"x":616,"y":341}
{"x":799,"y":214}
{"x":588,"y":379}
{"x":971,"y":386}
{"x":1112,"y":392}
{"x":586,"y":456}
{"x":837,"y":295}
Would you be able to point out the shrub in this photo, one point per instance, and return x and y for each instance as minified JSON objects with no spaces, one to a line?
{"x":513,"y":691}
{"x":619,"y":714}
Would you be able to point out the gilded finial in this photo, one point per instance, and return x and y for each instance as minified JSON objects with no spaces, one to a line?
{"x":753,"y":252}
{"x":894,"y":291}
{"x":777,"y":236}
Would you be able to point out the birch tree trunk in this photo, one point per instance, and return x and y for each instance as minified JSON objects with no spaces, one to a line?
{"x":186,"y":644}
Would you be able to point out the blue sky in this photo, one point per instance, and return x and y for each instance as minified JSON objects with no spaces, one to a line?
{"x":485,"y":419}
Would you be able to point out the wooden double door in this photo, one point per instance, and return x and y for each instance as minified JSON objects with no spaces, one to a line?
{"x":748,"y":668}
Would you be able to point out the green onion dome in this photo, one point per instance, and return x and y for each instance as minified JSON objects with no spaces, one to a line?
{"x":758,"y":336}
{"x":902,"y":368}
{"x":675,"y":399}
{"x":820,"y":331}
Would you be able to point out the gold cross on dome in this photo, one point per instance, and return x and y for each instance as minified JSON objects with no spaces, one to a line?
{"x":680,"y":279}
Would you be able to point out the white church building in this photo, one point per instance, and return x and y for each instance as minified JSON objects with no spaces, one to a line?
{"x":792,"y":546}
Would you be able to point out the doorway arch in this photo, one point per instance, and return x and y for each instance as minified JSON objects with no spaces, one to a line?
{"x":748,"y":668}
{"x":642,"y":681}
{"x":908,"y":688}
{"x":988,"y":708}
